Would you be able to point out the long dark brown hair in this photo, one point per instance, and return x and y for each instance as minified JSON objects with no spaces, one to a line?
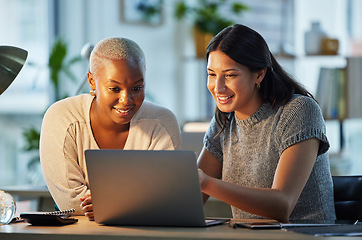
{"x":247,"y":47}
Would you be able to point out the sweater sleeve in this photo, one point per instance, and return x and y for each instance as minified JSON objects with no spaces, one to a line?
{"x":213,"y":143}
{"x":59,"y":160}
{"x":302,"y":120}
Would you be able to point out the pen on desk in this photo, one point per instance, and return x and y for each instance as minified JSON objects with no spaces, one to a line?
{"x":17,"y":220}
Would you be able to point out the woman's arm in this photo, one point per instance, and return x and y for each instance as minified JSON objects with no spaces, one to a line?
{"x":292,"y":173}
{"x":211,"y":167}
{"x":59,"y":159}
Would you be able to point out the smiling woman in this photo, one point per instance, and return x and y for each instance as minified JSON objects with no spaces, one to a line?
{"x":113,"y":116}
{"x":265,"y":152}
{"x":119,"y":87}
{"x":233,"y":85}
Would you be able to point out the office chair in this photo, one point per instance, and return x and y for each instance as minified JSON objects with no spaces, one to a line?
{"x":348,"y":197}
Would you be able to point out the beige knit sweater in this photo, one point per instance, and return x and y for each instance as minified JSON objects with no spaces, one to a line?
{"x":66,"y":133}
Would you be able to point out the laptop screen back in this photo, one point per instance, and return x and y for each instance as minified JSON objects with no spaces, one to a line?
{"x":135,"y":187}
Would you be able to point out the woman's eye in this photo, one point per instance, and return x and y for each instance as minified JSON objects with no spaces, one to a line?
{"x":211,"y":74}
{"x":138,"y":88}
{"x":230,"y":75}
{"x":114,"y":89}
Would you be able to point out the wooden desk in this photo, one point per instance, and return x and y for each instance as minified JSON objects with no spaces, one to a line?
{"x":88,"y":230}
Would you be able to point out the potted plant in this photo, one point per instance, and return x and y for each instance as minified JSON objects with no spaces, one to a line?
{"x":57,"y":64}
{"x":208,"y":18}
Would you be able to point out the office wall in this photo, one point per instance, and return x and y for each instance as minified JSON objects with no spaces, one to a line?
{"x":89,"y":21}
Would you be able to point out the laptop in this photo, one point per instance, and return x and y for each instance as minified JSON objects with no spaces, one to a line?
{"x":146,"y":188}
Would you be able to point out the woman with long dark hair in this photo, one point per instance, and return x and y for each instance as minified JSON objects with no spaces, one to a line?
{"x":265,"y":152}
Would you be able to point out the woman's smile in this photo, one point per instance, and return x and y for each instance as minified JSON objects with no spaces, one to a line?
{"x":224,"y":99}
{"x":124,"y":111}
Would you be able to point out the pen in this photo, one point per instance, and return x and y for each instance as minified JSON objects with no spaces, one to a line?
{"x":17,"y":220}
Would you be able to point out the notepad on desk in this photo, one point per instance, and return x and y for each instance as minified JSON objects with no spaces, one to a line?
{"x":57,"y":218}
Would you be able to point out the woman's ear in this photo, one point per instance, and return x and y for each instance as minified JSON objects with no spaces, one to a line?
{"x":91,"y":81}
{"x":261,"y":74}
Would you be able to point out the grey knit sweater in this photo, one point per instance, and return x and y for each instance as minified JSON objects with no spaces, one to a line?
{"x":250,"y":150}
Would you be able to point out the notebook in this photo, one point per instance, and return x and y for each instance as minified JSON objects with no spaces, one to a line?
{"x":57,"y":218}
{"x":146,"y":188}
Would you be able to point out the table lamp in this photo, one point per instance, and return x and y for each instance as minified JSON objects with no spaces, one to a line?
{"x":12,"y":60}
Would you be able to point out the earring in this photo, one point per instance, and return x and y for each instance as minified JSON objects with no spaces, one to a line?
{"x":92,"y":92}
{"x":258,"y":86}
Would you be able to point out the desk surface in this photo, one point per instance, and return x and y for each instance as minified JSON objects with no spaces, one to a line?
{"x":85,"y":229}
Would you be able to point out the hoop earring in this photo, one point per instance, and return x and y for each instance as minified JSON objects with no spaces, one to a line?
{"x":92,"y":92}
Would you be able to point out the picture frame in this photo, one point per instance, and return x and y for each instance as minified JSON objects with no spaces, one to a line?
{"x":142,"y":12}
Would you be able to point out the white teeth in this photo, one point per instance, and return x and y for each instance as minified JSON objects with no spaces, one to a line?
{"x":123,"y":111}
{"x":224,"y":98}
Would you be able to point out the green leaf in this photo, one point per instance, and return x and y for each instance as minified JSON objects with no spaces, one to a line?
{"x":32,"y":139}
{"x":209,"y":15}
{"x":239,"y":7}
{"x":180,"y":10}
{"x":56,"y":59}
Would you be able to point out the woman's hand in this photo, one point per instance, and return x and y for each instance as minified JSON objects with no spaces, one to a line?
{"x":87,"y":207}
{"x":203,"y":179}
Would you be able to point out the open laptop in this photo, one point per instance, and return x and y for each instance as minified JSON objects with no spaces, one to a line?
{"x":146,"y":188}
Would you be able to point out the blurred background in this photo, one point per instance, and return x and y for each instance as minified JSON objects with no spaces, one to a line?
{"x":314,"y":40}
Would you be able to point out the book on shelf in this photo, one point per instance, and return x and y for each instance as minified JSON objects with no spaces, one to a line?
{"x":354,"y":87}
{"x":331,"y":92}
{"x":339,"y":90}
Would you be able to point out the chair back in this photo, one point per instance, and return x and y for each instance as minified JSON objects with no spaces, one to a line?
{"x":348,"y":197}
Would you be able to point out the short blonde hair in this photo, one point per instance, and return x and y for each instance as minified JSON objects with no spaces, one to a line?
{"x":116,"y":49}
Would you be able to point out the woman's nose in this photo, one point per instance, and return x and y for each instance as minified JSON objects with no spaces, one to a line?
{"x":219,"y":86}
{"x":124,"y":97}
